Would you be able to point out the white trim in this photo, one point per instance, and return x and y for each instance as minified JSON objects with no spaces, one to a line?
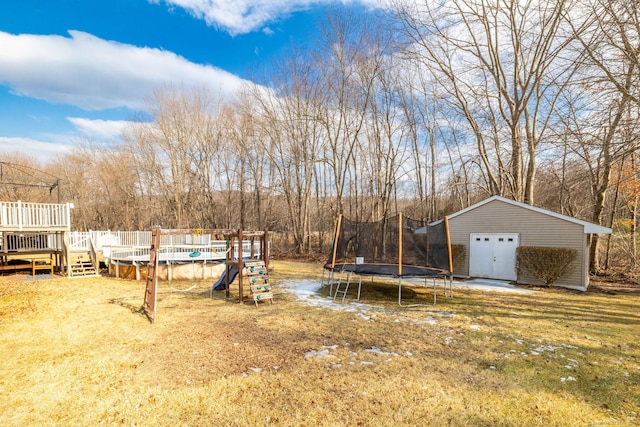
{"x":573,"y":288}
{"x":589,"y":228}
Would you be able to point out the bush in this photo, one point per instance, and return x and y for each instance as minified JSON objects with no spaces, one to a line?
{"x":544,"y":263}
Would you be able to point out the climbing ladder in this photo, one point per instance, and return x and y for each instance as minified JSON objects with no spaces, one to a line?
{"x":258,"y":277}
{"x":150,"y":294}
{"x":341,"y":281}
{"x":252,"y":265}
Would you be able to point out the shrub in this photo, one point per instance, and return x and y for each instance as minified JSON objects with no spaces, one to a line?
{"x":544,"y":263}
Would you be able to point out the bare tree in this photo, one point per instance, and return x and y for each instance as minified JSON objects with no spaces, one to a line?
{"x":595,"y":137}
{"x":23,"y":178}
{"x":500,"y":63}
{"x":291,"y":138}
{"x":608,"y":33}
{"x":345,"y":99}
{"x":421,"y":103}
{"x":173,"y":151}
{"x":383,"y":151}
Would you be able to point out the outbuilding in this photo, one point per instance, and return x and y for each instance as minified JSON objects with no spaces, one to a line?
{"x":494,"y":228}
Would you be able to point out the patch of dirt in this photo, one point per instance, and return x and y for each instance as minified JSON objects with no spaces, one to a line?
{"x":615,"y":282}
{"x":210,"y":351}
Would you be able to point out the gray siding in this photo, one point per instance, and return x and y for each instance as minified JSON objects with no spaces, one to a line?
{"x":534,"y":228}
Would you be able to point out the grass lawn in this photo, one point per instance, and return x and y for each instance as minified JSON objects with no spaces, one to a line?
{"x":79,"y":353}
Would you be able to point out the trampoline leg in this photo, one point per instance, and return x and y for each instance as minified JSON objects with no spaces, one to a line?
{"x":435,"y":289}
{"x":451,"y":286}
{"x":330,"y":281}
{"x":435,"y":283}
{"x":359,"y":287}
{"x":449,"y":279}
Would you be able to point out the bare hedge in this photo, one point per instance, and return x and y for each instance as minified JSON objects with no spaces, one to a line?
{"x":545,"y":263}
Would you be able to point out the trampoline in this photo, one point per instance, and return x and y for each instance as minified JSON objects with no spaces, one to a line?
{"x":390,"y":270}
{"x":397,"y":247}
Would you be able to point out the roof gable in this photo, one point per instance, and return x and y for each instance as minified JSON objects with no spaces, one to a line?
{"x":589,"y":228}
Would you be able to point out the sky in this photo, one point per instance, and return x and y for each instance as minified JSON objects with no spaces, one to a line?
{"x":79,"y":70}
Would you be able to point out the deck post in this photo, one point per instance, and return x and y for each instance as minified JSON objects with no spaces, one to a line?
{"x":20,"y":215}
{"x":68,"y":212}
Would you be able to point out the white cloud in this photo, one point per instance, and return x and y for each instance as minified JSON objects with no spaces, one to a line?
{"x":101,"y":130}
{"x":41,"y":150}
{"x":244,"y":16}
{"x":95,"y":74}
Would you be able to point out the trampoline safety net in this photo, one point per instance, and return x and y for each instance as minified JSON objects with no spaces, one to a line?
{"x":394,"y":240}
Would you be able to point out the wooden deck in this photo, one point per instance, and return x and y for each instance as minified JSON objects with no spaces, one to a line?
{"x":24,"y":216}
{"x":33,"y":233}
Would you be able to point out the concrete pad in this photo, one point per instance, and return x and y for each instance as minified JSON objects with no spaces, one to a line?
{"x":490,"y":285}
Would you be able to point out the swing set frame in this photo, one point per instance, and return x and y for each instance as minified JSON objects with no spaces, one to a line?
{"x":232,"y":237}
{"x":149,"y":306}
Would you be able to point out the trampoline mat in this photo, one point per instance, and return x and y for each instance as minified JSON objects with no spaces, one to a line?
{"x":390,"y":270}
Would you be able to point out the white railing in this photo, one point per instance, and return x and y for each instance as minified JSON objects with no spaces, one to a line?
{"x":123,"y":238}
{"x":130,"y":246}
{"x":29,"y":242}
{"x":78,"y":240}
{"x":24,"y":216}
{"x":216,"y":250}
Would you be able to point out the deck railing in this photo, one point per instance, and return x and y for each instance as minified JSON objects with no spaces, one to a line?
{"x":78,"y":240}
{"x":30,"y":216}
{"x":216,"y":250}
{"x":30,"y":242}
{"x":127,"y":246}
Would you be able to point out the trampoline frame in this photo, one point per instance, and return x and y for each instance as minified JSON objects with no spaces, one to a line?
{"x":351,"y":270}
{"x":399,"y":270}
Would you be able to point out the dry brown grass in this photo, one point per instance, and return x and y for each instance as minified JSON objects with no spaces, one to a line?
{"x":78,"y":353}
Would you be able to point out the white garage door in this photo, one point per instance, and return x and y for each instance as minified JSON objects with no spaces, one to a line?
{"x":493,"y":256}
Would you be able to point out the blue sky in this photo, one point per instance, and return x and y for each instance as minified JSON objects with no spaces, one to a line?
{"x":79,"y":69}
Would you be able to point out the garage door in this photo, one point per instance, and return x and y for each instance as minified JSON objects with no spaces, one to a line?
{"x":493,"y":256}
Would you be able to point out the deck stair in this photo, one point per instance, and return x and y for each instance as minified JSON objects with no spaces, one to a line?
{"x":81,"y":264}
{"x":82,"y":268}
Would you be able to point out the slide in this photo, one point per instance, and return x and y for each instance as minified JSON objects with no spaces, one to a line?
{"x":219,"y":284}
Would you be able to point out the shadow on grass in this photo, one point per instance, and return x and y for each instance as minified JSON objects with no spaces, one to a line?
{"x":134,"y":308}
{"x":558,"y":306}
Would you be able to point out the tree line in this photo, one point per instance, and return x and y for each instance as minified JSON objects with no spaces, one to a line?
{"x":423,"y":109}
